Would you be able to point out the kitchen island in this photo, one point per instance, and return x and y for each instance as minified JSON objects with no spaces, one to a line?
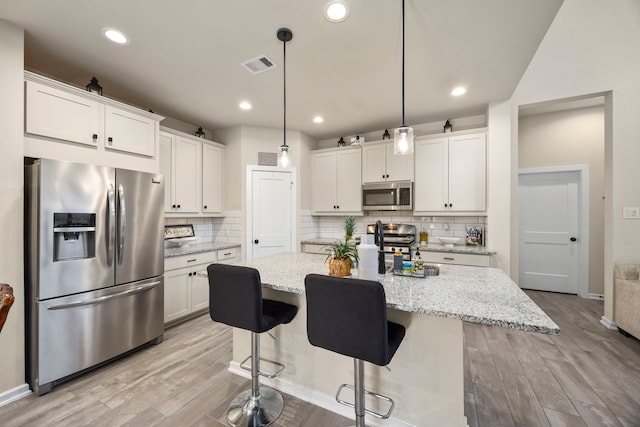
{"x":426,"y":376}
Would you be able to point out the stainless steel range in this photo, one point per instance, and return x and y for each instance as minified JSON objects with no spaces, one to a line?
{"x":396,"y":237}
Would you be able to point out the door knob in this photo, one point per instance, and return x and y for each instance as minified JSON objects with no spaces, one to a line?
{"x":256,"y":241}
{"x":573,"y":239}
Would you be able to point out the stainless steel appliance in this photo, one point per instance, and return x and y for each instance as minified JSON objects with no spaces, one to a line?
{"x":94,"y":266}
{"x":399,"y":237}
{"x":388,"y":196}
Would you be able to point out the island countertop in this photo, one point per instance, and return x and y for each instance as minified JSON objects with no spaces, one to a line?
{"x":473,"y":294}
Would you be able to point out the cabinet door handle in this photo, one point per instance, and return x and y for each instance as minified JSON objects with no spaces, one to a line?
{"x":205,"y":207}
{"x":173,"y":206}
{"x":110,"y":140}
{"x":95,"y":136}
{"x":256,"y":241}
{"x":178,"y":206}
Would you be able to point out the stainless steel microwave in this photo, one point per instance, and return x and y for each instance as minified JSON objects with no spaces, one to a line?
{"x":388,"y":196}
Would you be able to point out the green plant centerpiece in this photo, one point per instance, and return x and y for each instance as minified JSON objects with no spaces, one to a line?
{"x":341,"y":254}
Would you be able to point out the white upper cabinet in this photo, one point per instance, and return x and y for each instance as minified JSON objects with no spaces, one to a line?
{"x":63,"y":122}
{"x":336,"y":186}
{"x":451,"y":174}
{"x":130,"y":132}
{"x":194,"y":172}
{"x":57,"y":114}
{"x":180,"y":163}
{"x":380,"y":164}
{"x":212,"y":178}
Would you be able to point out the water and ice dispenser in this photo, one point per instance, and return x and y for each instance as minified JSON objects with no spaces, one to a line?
{"x":74,"y":236}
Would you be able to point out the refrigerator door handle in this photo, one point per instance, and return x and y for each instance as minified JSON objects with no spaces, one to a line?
{"x":111,"y":217}
{"x":122,"y":220}
{"x":92,"y":301}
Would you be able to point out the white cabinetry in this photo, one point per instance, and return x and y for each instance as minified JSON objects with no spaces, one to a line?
{"x":379,"y":164}
{"x":451,"y":174}
{"x":212,"y":178}
{"x":336,"y":186}
{"x":456,"y":258}
{"x":194,"y":172}
{"x":130,"y":132}
{"x":186,"y":286}
{"x":67,"y":123}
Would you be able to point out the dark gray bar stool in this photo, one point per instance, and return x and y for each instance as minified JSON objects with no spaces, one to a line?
{"x":235,"y":298}
{"x":349,"y":316}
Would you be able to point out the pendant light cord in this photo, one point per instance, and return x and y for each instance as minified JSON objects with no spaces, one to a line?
{"x":403,"y":123}
{"x":284,"y":61}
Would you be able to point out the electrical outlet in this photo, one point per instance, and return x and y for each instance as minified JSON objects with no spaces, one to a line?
{"x":631,"y":213}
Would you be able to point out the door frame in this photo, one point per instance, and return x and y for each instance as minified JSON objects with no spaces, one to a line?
{"x":583,"y":220}
{"x":249,"y":205}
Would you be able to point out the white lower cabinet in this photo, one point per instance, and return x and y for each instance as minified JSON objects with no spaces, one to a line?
{"x":186,"y":286}
{"x":456,"y":258}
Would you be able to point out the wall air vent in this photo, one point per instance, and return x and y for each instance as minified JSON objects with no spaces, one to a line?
{"x":259,"y":64}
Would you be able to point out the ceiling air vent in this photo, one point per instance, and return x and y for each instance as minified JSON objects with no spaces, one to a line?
{"x":259,"y":64}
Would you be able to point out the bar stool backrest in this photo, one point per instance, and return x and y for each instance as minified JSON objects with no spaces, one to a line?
{"x":348,"y":316}
{"x":235,"y":296}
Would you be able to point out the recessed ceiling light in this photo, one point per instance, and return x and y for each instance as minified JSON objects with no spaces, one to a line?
{"x":336,"y":11}
{"x":244,"y":105}
{"x":459,"y":91}
{"x":115,"y":36}
{"x":318,"y":119}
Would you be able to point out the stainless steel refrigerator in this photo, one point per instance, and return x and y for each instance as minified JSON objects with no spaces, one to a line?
{"x":94,"y":266}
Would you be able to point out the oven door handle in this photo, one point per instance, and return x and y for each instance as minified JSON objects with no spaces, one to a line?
{"x":98,"y":300}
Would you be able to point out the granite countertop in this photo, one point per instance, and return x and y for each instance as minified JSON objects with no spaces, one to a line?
{"x":197,"y":248}
{"x":473,"y":294}
{"x":430,"y":247}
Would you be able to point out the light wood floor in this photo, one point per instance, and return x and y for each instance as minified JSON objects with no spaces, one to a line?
{"x":586,"y":376}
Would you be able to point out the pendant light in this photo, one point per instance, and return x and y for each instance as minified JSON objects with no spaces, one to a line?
{"x":284,"y":35}
{"x":403,"y":136}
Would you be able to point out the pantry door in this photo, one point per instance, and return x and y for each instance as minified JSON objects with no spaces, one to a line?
{"x":551,"y":237}
{"x":271,"y":211}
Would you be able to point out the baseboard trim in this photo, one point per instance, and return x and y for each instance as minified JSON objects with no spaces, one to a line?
{"x":316,"y":398}
{"x":14,"y":394}
{"x":608,"y":323}
{"x":595,"y":296}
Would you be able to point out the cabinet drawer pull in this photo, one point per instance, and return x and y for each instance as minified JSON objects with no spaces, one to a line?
{"x":448,"y":258}
{"x":192,"y":260}
{"x":227,"y":253}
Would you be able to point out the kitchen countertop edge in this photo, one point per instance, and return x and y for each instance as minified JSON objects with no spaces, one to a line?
{"x":198,"y":248}
{"x":431,"y":247}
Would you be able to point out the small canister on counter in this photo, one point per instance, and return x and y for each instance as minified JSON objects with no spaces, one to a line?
{"x":397,"y":261}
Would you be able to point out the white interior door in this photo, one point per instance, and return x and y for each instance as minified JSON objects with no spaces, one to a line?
{"x":271,"y":212}
{"x":549,"y":223}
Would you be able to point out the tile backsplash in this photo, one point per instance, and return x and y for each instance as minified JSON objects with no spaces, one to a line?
{"x":332,"y":227}
{"x":209,"y":230}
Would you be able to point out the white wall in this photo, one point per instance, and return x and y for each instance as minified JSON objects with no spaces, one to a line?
{"x":569,"y":138}
{"x":243,"y":144}
{"x":591,"y":48}
{"x":12,"y":355}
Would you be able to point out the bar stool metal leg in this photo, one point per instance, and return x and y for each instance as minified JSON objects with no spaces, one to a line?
{"x":358,"y":382}
{"x":259,"y":406}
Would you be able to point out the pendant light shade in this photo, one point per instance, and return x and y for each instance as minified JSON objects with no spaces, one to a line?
{"x":403,"y":136}
{"x":284,"y":35}
{"x":403,"y":140}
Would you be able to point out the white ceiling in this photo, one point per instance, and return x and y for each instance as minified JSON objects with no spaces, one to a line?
{"x":184,"y":57}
